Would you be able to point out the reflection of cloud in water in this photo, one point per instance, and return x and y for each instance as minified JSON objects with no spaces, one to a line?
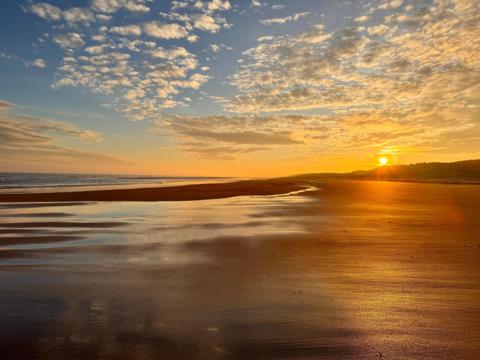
{"x":182,"y":280}
{"x":157,"y":232}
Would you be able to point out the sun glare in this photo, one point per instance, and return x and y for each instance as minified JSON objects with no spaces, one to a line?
{"x":383,"y":160}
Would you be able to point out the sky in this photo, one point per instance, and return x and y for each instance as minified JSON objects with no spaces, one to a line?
{"x":237,"y":88}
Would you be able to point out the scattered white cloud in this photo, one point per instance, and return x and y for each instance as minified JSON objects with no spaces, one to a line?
{"x":104,"y":17}
{"x":283,"y":20}
{"x":69,"y":40}
{"x":206,"y":23}
{"x":29,"y":139}
{"x":46,"y":11}
{"x":362,"y":19}
{"x":378,"y":30}
{"x":95,"y":50}
{"x":137,"y":7}
{"x":265,"y":38}
{"x":74,"y":15}
{"x":165,"y":31}
{"x":381,"y":84}
{"x":50,"y":12}
{"x":39,"y":63}
{"x":173,"y":54}
{"x":391,"y":4}
{"x":213,"y":5}
{"x":106,"y":6}
{"x":374,"y":72}
{"x":216,"y":48}
{"x":126,"y":30}
{"x":192,"y":38}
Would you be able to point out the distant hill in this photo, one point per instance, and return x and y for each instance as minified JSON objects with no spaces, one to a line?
{"x":467,"y":171}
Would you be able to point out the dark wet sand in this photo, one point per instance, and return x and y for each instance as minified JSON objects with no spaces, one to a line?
{"x":354,"y":270}
{"x":170,"y":193}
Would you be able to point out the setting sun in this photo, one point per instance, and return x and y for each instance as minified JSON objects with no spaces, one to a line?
{"x":383,"y":160}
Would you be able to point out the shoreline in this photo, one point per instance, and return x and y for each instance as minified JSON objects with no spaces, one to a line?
{"x":165,"y":193}
{"x":202,"y":191}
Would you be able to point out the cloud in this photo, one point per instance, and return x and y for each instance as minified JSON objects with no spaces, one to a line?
{"x":134,"y":94}
{"x":37,"y":127}
{"x":201,"y":15}
{"x":125,"y":60}
{"x":227,"y":152}
{"x":39,"y":63}
{"x":24,"y":138}
{"x":69,"y":40}
{"x":362,"y":19}
{"x":351,"y":67}
{"x":126,"y":30}
{"x":205,"y":22}
{"x":5,"y":105}
{"x":391,"y":4}
{"x":172,"y":54}
{"x":216,"y":48}
{"x":30,"y":139}
{"x":179,"y":4}
{"x":165,"y":31}
{"x":212,"y":6}
{"x":112,"y":6}
{"x":74,"y":15}
{"x":229,"y":137}
{"x":381,"y":84}
{"x":135,"y":7}
{"x":104,"y":17}
{"x":281,"y":21}
{"x":46,"y":11}
{"x":278,"y":7}
{"x":106,"y":6}
{"x":372,"y":73}
{"x":50,"y":12}
{"x":243,"y":137}
{"x":241,"y":130}
{"x":95,"y":50}
{"x":192,"y":38}
{"x":378,"y":30}
{"x":144,"y":86}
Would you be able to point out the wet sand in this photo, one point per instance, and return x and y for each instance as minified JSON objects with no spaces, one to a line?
{"x":353,"y":270}
{"x":167,"y":193}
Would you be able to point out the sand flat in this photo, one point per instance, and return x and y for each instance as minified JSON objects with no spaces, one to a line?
{"x":165,"y":193}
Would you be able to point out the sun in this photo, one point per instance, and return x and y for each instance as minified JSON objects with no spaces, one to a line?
{"x":383,"y":160}
{"x":387,"y":156}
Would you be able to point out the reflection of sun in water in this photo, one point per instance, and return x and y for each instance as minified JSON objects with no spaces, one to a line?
{"x":383,"y":160}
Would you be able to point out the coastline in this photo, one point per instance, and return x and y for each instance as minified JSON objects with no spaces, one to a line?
{"x":166,"y":193}
{"x":202,"y":191}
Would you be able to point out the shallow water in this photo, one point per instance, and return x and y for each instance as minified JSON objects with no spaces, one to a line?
{"x":356,"y":270}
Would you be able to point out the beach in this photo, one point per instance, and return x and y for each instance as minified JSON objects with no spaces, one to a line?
{"x":296,"y":268}
{"x":167,"y":193}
